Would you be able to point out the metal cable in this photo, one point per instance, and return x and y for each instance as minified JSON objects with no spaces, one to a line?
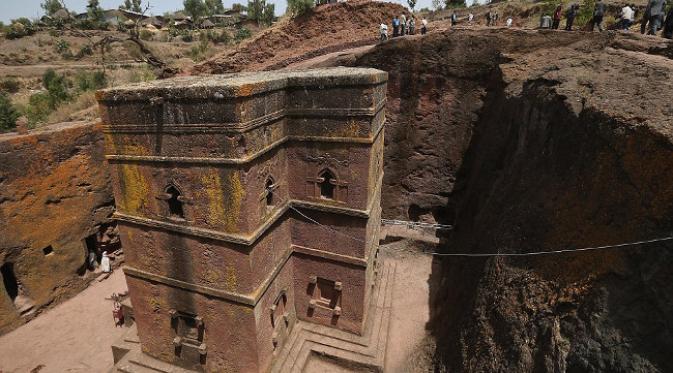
{"x":325,"y":226}
{"x":533,"y":253}
{"x":415,"y":224}
{"x":616,"y":246}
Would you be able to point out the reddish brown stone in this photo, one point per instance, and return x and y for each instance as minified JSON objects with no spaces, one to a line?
{"x":219,"y":185}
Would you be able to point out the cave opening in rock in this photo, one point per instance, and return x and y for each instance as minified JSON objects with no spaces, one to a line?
{"x":10,"y":280}
{"x":48,"y":250}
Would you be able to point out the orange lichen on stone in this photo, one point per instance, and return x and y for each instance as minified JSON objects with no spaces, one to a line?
{"x":135,"y":189}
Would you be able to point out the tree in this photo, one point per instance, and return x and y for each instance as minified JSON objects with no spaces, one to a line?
{"x":132,"y":5}
{"x":195,"y":8}
{"x":8,"y":114}
{"x":214,"y":7}
{"x":412,"y":4}
{"x":95,"y":12}
{"x":456,"y":3}
{"x":51,"y":6}
{"x":299,"y":7}
{"x":260,"y":11}
{"x":437,"y":4}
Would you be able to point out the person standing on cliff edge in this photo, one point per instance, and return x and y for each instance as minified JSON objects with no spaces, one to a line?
{"x":396,"y":27}
{"x":383,"y":30}
{"x":403,"y":25}
{"x":599,"y":12}
{"x":657,"y":8}
{"x":557,"y":17}
{"x":570,"y":16}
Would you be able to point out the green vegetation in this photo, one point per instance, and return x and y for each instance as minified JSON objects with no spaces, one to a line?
{"x":586,"y":13}
{"x":19,"y":28}
{"x":144,"y":74}
{"x":95,"y":17}
{"x":260,"y":11}
{"x":299,"y":7}
{"x":450,"y":4}
{"x":198,"y":52}
{"x":8,"y":114}
{"x":195,"y":8}
{"x":51,"y":6}
{"x":214,"y":7}
{"x":132,"y":5}
{"x":90,"y":81}
{"x":59,"y":90}
{"x":242,"y":33}
{"x":222,"y":37}
{"x":62,"y":47}
{"x":10,"y":85}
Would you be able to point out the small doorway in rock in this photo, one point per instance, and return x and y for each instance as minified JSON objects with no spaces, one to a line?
{"x":10,"y":280}
{"x":22,"y":303}
{"x":93,"y":254}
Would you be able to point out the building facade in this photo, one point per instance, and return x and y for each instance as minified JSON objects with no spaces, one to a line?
{"x":245,"y":203}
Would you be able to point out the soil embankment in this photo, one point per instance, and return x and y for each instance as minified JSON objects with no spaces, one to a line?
{"x":328,"y":28}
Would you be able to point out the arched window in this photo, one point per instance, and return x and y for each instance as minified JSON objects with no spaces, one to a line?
{"x":269,"y":186}
{"x":174,"y":201}
{"x":327,"y":183}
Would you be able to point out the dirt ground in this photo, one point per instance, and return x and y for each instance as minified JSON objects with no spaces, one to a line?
{"x":410,"y":312}
{"x":73,"y":337}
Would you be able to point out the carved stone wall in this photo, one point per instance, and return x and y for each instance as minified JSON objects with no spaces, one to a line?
{"x":220,"y":182}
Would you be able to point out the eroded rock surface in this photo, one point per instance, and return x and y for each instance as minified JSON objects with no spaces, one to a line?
{"x":566,"y":139}
{"x":54,"y":193}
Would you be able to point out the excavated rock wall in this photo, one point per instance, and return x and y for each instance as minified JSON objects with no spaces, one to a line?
{"x":436,"y":92}
{"x":535,"y":141}
{"x":54,"y":193}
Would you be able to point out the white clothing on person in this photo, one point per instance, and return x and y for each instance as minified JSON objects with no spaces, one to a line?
{"x":470,"y":17}
{"x":628,"y":13}
{"x":384,"y":29}
{"x":509,"y":22}
{"x":424,"y":22}
{"x":105,"y":263}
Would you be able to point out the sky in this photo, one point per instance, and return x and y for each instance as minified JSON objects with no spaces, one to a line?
{"x":10,"y":9}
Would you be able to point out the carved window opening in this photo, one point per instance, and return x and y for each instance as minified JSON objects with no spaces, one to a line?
{"x":189,"y":336}
{"x":10,"y":280}
{"x":326,"y":293}
{"x":174,"y":201}
{"x":327,"y":184}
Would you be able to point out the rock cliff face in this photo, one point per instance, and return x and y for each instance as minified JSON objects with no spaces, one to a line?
{"x":533,"y":141}
{"x":54,"y":199}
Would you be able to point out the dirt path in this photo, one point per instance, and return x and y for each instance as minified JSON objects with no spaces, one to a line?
{"x":75,"y":336}
{"x":320,"y":60}
{"x":32,"y":70}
